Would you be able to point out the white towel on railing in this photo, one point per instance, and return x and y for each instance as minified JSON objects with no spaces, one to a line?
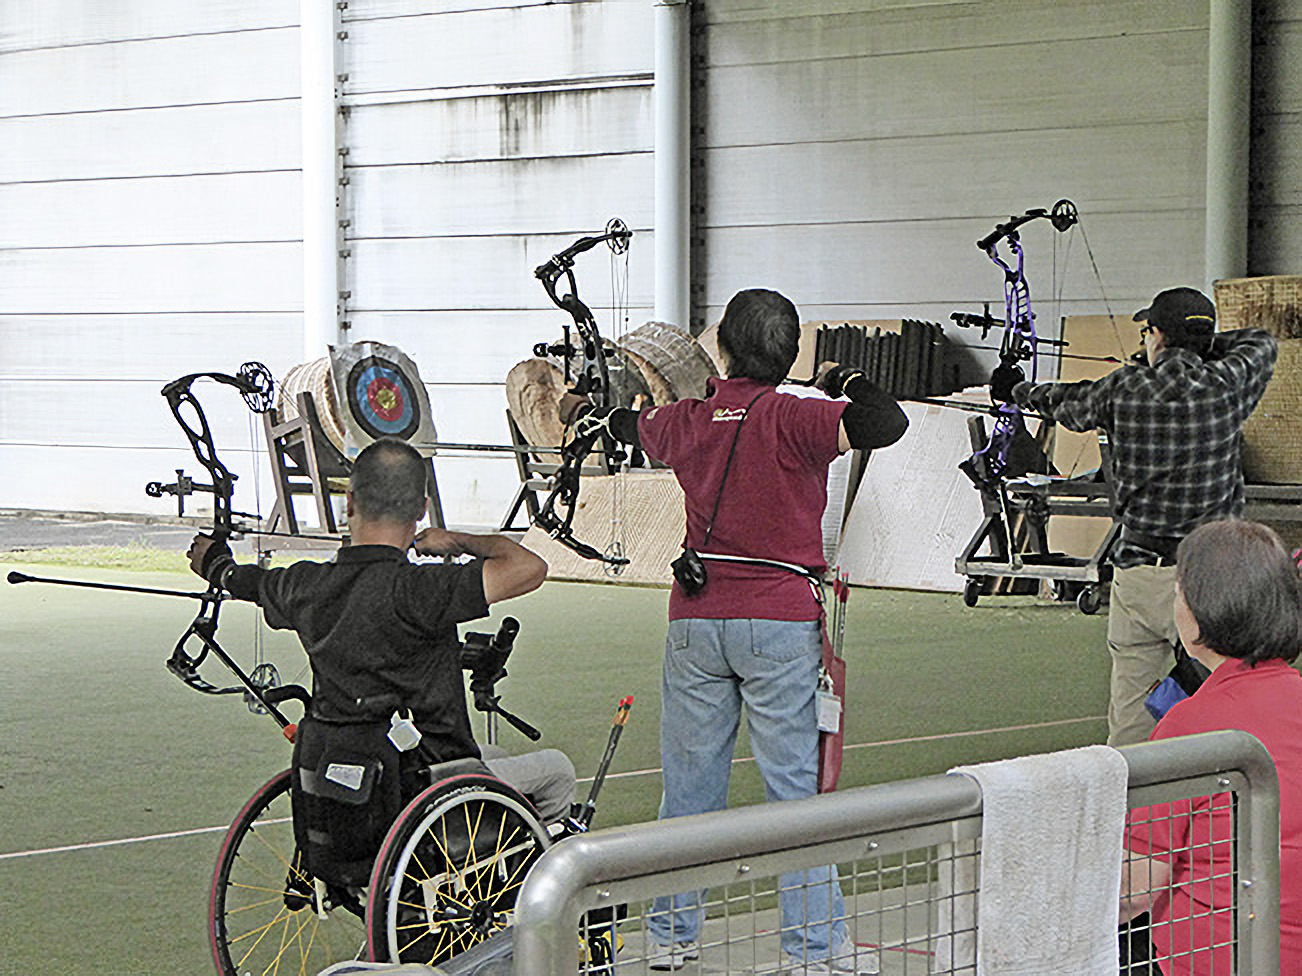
{"x":1050,"y":869}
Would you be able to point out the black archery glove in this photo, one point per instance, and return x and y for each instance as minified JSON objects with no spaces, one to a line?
{"x":833,"y":379}
{"x":1003,"y":379}
{"x":215,"y":560}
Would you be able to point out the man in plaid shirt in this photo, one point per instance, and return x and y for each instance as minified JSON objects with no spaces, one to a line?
{"x":1175,"y":427}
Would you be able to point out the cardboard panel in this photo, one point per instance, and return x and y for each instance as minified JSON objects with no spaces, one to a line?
{"x":1077,"y":453}
{"x":894,"y":538}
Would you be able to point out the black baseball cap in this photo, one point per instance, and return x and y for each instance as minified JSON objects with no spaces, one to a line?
{"x":1186,"y":308}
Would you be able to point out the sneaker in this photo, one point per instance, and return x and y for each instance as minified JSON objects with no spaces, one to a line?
{"x":847,"y":958}
{"x":671,"y":956}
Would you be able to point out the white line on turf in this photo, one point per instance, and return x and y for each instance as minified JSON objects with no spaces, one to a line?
{"x":652,"y":771}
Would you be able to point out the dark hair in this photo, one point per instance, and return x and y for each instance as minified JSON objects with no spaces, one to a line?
{"x":1243,"y":590}
{"x":389,"y":481}
{"x":760,"y":335}
{"x":1193,"y":336}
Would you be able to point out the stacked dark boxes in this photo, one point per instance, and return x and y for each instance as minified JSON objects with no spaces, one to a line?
{"x":910,"y":363}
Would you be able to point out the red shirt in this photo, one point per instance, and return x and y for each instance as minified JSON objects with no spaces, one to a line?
{"x":1195,"y":835}
{"x":772,"y":503}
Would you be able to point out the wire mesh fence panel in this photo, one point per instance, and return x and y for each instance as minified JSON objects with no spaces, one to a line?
{"x":887,"y":880}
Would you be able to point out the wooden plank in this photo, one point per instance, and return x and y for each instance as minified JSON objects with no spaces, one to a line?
{"x":156,"y":348}
{"x":515,"y":124}
{"x":437,"y":199}
{"x":182,"y":70}
{"x":1074,"y":453}
{"x":27,"y":24}
{"x":509,"y":46}
{"x":484,"y":272}
{"x":253,"y":137}
{"x":198,"y":278}
{"x":153,"y":210}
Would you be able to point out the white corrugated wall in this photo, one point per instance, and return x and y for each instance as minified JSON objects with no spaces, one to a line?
{"x":480,"y":142}
{"x":149,"y":227}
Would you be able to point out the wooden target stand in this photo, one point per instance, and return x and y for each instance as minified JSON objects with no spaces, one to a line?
{"x":304,"y":462}
{"x":536,"y":475}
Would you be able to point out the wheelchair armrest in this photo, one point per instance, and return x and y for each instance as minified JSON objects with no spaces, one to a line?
{"x":282,"y":693}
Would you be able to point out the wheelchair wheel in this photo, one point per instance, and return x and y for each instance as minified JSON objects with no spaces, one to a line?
{"x":264,"y":915}
{"x":447,"y":875}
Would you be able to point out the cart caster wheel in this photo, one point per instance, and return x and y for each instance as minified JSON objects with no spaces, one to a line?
{"x":972,"y":591}
{"x":1089,"y":600}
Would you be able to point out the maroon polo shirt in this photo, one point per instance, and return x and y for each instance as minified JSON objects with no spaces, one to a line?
{"x":1194,"y":836}
{"x":772,"y":504}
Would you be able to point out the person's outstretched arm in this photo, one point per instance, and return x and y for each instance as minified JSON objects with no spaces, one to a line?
{"x":509,"y":568}
{"x":872,"y":418}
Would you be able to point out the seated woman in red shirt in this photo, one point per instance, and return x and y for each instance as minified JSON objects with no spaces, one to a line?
{"x":1238,"y":610}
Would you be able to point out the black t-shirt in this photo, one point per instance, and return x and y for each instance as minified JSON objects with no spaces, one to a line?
{"x":380,"y":633}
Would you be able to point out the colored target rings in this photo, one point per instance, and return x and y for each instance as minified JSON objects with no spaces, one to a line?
{"x":382,"y":398}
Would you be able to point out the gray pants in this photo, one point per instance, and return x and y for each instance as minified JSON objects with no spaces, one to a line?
{"x":545,"y":776}
{"x":1142,"y":639}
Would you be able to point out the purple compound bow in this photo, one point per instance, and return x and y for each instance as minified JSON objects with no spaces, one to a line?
{"x":1020,"y":340}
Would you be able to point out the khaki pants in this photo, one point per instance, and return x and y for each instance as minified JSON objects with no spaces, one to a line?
{"x":1142,"y":639}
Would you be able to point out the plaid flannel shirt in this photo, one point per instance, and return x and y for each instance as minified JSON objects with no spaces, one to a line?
{"x":1175,"y":430}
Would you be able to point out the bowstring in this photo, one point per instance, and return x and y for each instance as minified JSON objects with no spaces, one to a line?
{"x":1103,"y":293}
{"x":619,"y":313}
{"x":259,"y":647}
{"x":1116,"y":331}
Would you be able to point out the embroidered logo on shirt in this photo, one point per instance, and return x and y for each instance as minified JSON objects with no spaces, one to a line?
{"x":728,"y":413}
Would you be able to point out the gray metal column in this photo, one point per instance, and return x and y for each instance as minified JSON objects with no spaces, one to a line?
{"x":321,"y":36}
{"x":672,"y":162}
{"x":1229,"y":113}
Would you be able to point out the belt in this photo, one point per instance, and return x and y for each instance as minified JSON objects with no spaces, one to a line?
{"x":1162,"y":547}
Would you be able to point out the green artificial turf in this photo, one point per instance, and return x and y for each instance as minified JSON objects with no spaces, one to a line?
{"x":101,"y":743}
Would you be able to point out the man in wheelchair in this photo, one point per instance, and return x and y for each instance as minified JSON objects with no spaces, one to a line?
{"x":388,"y":698}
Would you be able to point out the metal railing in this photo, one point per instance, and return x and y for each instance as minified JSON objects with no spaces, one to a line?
{"x":892,"y":843}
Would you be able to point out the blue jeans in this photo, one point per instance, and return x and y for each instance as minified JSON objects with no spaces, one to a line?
{"x":712,"y":668}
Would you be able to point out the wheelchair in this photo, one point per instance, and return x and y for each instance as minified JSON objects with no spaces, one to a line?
{"x":444,"y":879}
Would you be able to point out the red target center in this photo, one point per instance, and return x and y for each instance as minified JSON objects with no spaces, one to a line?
{"x":385,"y":398}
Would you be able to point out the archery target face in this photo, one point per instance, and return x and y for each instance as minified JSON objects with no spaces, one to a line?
{"x":381,"y":398}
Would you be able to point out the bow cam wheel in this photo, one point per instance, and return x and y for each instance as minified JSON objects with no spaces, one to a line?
{"x":450,"y":868}
{"x":264,"y":915}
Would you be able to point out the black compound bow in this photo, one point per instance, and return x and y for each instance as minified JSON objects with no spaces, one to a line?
{"x":590,"y":370}
{"x":255,"y":385}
